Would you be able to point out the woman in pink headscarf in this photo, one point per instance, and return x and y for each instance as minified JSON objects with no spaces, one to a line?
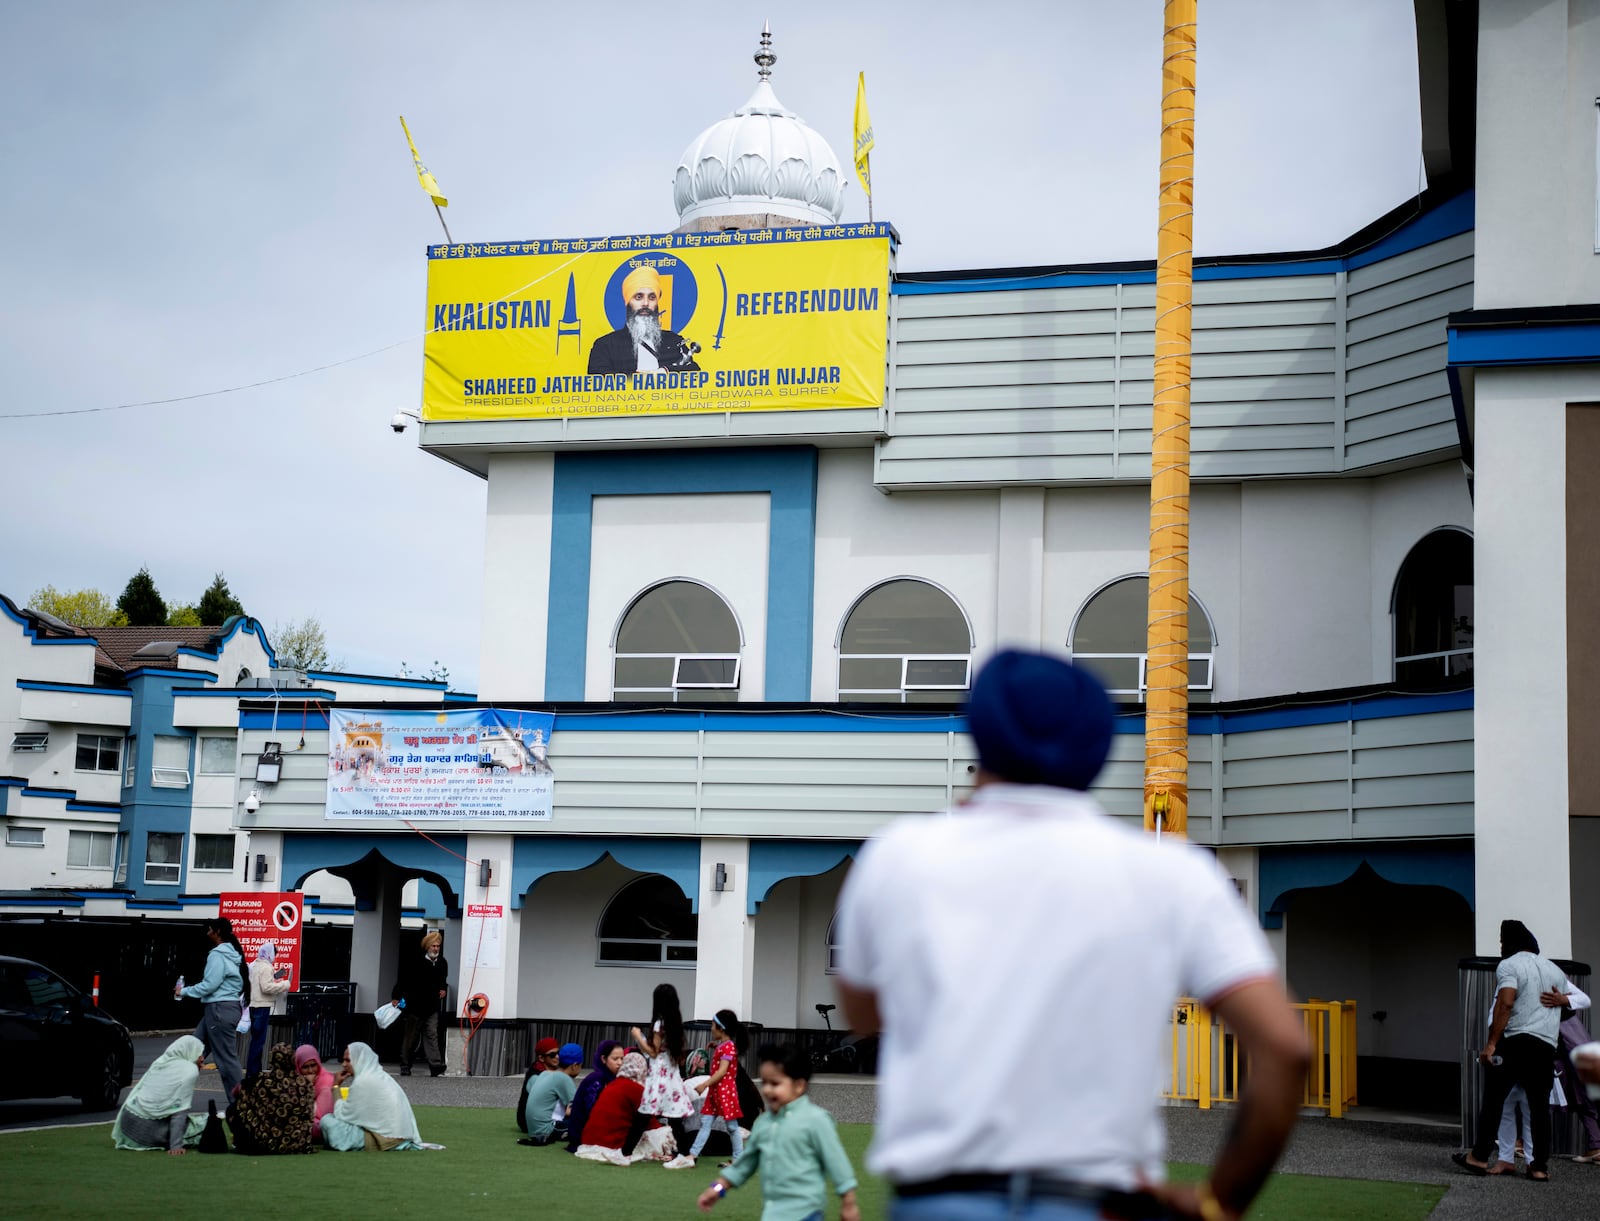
{"x":308,"y":1063}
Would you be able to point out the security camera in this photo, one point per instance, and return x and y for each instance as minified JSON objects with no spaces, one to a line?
{"x":252,"y":803}
{"x":399,"y":421}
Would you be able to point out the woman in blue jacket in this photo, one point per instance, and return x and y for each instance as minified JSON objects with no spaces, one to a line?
{"x":225,"y":994}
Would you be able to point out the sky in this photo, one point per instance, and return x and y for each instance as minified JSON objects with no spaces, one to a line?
{"x":204,"y":195}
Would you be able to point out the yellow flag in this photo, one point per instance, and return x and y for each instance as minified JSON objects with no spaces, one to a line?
{"x":425,"y":178}
{"x":863,"y":135}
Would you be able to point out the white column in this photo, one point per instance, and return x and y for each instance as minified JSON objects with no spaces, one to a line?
{"x":1019,"y":570}
{"x":725,"y":969}
{"x":1520,"y":667}
{"x":375,"y":943}
{"x":516,"y":576}
{"x":489,"y":947}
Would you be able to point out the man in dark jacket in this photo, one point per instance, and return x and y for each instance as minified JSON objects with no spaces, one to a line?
{"x":422,"y":984}
{"x":641,"y":343}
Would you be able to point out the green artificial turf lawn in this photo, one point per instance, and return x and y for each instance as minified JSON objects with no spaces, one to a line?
{"x":484,"y":1173}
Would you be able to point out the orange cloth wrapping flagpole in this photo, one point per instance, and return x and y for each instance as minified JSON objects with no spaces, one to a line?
{"x":1166,"y":733}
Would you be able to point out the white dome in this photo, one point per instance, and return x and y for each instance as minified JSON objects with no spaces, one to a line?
{"x":762,"y":159}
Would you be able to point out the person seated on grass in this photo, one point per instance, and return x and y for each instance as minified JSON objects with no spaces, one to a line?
{"x":607,"y":1059}
{"x":375,"y":1114}
{"x":794,"y":1145}
{"x":308,"y":1064}
{"x":546,"y":1056}
{"x":273,"y":1110}
{"x":156,"y":1114}
{"x":616,"y":1133}
{"x":549,"y":1097}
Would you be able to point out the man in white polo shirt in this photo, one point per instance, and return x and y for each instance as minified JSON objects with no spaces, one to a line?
{"x":1030,"y":920}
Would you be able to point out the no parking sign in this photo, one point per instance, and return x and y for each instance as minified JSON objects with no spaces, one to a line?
{"x":262,"y":916}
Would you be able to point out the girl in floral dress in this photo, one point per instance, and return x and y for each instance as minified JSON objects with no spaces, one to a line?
{"x":664,"y":1094}
{"x":721,"y":1088}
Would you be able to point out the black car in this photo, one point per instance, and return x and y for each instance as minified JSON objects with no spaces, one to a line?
{"x":54,"y":1041}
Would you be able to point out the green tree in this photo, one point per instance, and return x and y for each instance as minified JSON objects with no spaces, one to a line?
{"x":141,"y":601}
{"x":79,"y":607}
{"x":217,"y":604}
{"x":184,"y":616}
{"x":300,"y":645}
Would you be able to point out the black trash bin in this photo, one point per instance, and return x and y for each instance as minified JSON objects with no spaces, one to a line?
{"x":321,"y":1013}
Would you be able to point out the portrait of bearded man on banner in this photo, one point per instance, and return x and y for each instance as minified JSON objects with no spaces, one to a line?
{"x":641,"y":345}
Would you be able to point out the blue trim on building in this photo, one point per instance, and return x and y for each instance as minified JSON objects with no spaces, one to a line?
{"x":858,"y":720}
{"x":378,"y":681}
{"x":8,"y":609}
{"x":252,"y":627}
{"x":775,"y":860}
{"x":784,"y":235}
{"x":438,"y":862}
{"x":95,"y":807}
{"x":63,"y":794}
{"x":28,"y":684}
{"x":788,"y":474}
{"x":300,"y":696}
{"x":204,"y":676}
{"x":1282,"y":870}
{"x":72,"y":901}
{"x":534,"y":857}
{"x":1524,"y":344}
{"x":1453,"y":217}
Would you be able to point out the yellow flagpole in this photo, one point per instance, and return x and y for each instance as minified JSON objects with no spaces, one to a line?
{"x":1166,"y":734}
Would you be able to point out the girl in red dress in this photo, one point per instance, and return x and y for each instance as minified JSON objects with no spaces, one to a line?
{"x":721,"y":1108}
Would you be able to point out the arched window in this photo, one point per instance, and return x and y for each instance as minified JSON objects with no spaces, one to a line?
{"x":904,"y":641}
{"x":833,"y":945}
{"x":678,"y":641}
{"x":1433,"y":610}
{"x":648,"y":923}
{"x":1113,"y":630}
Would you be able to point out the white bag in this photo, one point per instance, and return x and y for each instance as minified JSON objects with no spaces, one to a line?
{"x":244,"y":1020}
{"x":386,"y":1015}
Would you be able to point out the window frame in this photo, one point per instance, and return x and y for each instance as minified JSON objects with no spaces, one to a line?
{"x":194,"y":852}
{"x":1443,"y":656}
{"x":130,"y":761}
{"x":662,"y":961}
{"x":1143,"y":656}
{"x":107,"y":838}
{"x":12,"y":829}
{"x":200,"y":754}
{"x":671,"y":694}
{"x":30,"y":742}
{"x":99,"y":749}
{"x":120,"y":876}
{"x":176,"y":866}
{"x":872,"y":694}
{"x":162,"y":777}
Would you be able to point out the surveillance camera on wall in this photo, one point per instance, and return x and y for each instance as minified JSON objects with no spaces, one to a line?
{"x":252,"y":803}
{"x":398,"y":423}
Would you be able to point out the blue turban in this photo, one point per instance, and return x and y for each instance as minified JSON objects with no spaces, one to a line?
{"x":1039,"y":720}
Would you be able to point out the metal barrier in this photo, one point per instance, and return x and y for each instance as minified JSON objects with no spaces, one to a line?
{"x":1207,"y":1065}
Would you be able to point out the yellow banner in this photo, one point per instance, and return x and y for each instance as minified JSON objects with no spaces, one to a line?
{"x":658,"y":324}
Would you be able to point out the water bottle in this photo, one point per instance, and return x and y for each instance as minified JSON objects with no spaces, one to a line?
{"x":177,"y":989}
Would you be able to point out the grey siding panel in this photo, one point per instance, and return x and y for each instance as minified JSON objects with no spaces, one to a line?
{"x":1397,"y":397}
{"x":1388,"y":778}
{"x":1054,"y":385}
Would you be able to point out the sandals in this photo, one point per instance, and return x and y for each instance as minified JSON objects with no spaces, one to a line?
{"x":1472,"y":1168}
{"x":1538,"y":1176}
